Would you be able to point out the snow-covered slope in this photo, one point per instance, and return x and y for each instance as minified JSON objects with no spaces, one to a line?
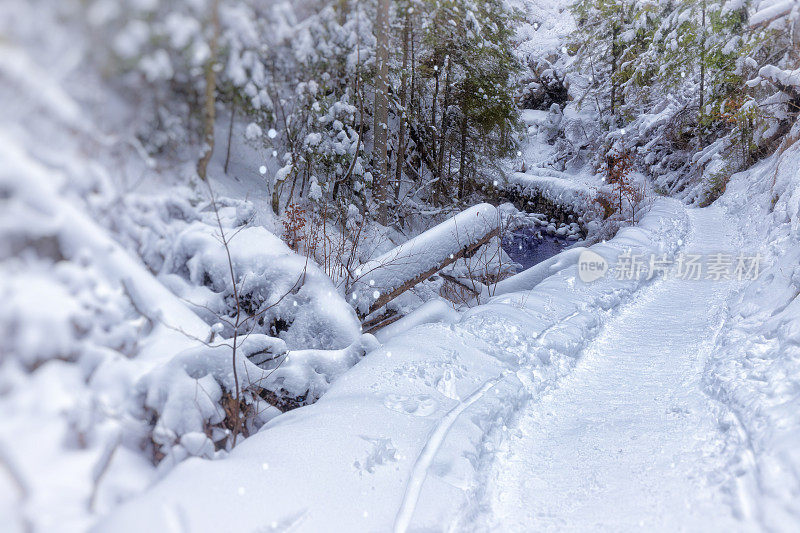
{"x":117,"y":295}
{"x":674,"y":405}
{"x":755,"y":368}
{"x":556,"y":404}
{"x":405,"y":437}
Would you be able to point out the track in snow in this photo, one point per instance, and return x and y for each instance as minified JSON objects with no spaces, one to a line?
{"x":629,"y":440}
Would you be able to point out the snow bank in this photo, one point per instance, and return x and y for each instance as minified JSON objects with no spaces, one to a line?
{"x":429,"y":312}
{"x":405,"y":434}
{"x":117,"y":355}
{"x":529,"y":278}
{"x":37,"y":208}
{"x":755,"y":369}
{"x":129,"y":373}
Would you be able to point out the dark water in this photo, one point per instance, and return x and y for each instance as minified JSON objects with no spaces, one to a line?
{"x":529,"y":246}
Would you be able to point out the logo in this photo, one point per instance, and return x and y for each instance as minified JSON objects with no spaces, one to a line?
{"x":591,"y":266}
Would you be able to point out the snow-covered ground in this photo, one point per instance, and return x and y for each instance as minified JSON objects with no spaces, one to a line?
{"x":608,"y":405}
{"x":632,"y":429}
{"x":409,"y":433}
{"x":615,"y":404}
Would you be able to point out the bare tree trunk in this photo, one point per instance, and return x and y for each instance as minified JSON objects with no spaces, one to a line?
{"x":614,"y":37}
{"x":434,"y":103}
{"x":230,"y":134}
{"x":413,"y":73}
{"x":443,"y":127}
{"x":463,"y":163}
{"x":702,"y":77}
{"x":401,"y":143}
{"x":380,"y":153}
{"x":209,"y":110}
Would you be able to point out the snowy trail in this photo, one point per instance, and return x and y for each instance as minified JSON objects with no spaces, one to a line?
{"x":630,"y":439}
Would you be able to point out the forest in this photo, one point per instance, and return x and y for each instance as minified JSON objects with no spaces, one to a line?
{"x":399,"y":265}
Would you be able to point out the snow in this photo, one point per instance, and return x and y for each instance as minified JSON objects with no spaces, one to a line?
{"x":769,"y":11}
{"x":93,"y":331}
{"x":553,"y":186}
{"x":117,"y":359}
{"x":547,"y":402}
{"x":789,"y":78}
{"x":28,"y":76}
{"x":253,"y":132}
{"x":547,"y":23}
{"x":534,"y":117}
{"x":429,"y":312}
{"x":632,"y":419}
{"x":754,"y":367}
{"x":82,"y":237}
{"x":531,"y":277}
{"x":460,"y":423}
{"x":419,"y":255}
{"x":422,"y":403}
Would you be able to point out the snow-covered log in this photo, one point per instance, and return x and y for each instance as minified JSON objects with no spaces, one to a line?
{"x":787,"y":81}
{"x":770,"y":11}
{"x":382,"y":279}
{"x":553,"y":187}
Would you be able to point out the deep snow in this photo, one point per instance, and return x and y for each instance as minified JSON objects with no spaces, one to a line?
{"x":409,"y":432}
{"x":656,"y":404}
{"x":632,"y":429}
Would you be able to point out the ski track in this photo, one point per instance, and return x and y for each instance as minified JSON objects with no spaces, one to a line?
{"x":428,"y":453}
{"x":629,"y":440}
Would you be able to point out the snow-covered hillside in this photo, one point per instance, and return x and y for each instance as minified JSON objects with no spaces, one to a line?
{"x":183,"y":354}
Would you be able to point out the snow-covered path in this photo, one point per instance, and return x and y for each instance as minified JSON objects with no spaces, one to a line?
{"x":630,"y":439}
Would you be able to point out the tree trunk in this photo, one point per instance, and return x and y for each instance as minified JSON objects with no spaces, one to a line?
{"x":463,"y":163}
{"x":443,"y":127}
{"x":401,"y":142}
{"x":702,"y":76}
{"x":614,"y":36}
{"x":230,"y":134}
{"x":434,"y":103}
{"x":380,"y":153}
{"x":210,"y":98}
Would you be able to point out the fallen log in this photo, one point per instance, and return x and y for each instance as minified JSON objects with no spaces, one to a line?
{"x":383,"y":279}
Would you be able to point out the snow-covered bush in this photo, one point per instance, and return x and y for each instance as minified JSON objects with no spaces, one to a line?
{"x":281,"y":294}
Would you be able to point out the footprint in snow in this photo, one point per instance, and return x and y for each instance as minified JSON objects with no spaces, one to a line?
{"x":418,"y":405}
{"x":381,"y":452}
{"x":446,"y":384}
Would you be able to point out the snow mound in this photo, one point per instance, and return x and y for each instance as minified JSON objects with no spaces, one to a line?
{"x":555,"y":187}
{"x":280,"y":293}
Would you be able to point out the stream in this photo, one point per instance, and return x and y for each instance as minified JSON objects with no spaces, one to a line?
{"x":529,"y":246}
